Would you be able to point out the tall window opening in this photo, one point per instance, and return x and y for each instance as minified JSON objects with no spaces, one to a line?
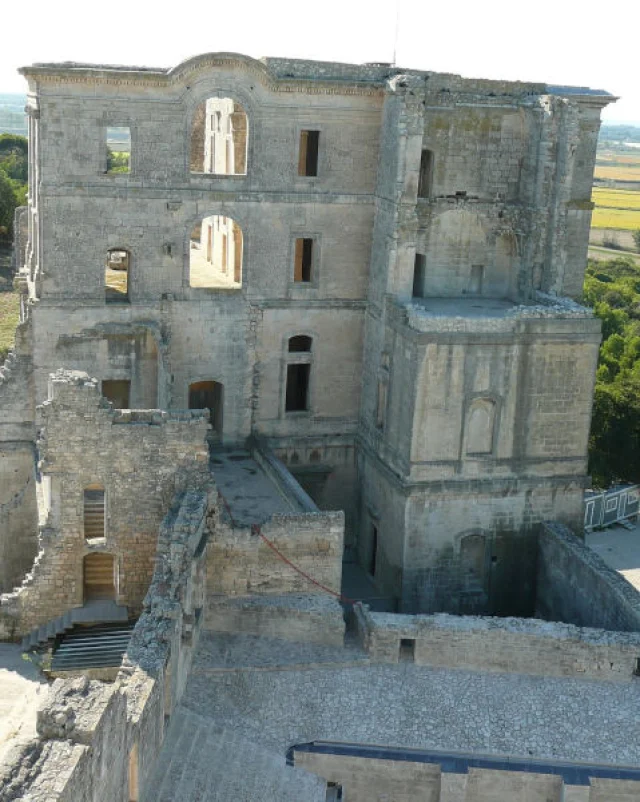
{"x":373,"y":550}
{"x":426,"y":174}
{"x":209,"y":395}
{"x":94,"y":517}
{"x":476,"y":280}
{"x":99,"y":571}
{"x":298,"y":374}
{"x":334,"y":792}
{"x":308,"y":153}
{"x":419,"y":270}
{"x":473,"y":561}
{"x":118,"y":392}
{"x":302,"y":271}
{"x":383,"y":392}
{"x":118,"y":149}
{"x":219,"y":138}
{"x":116,"y":275}
{"x":215,"y":253}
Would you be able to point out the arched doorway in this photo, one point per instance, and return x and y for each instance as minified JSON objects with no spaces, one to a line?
{"x":209,"y":395}
{"x":99,"y":577}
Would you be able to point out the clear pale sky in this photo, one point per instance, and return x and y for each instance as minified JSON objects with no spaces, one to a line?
{"x":571,"y":42}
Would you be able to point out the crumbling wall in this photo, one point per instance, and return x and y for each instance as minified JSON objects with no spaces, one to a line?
{"x":508,"y":645}
{"x":89,"y":731}
{"x":18,"y":508}
{"x":576,"y":585}
{"x":140,"y":458}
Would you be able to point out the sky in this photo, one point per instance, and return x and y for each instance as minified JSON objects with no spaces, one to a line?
{"x":553,"y":41}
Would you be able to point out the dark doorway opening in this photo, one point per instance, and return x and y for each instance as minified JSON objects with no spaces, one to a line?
{"x":373,"y":553}
{"x":297,"y":395}
{"x":99,"y":577}
{"x":209,"y":395}
{"x":419,"y":270}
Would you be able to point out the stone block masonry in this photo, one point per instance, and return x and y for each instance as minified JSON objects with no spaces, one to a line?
{"x":576,"y":585}
{"x":507,"y":645}
{"x":138,"y":460}
{"x":98,"y":742}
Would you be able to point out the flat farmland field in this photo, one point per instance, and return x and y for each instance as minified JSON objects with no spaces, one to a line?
{"x":618,"y":171}
{"x":623,"y":219}
{"x":615,"y":198}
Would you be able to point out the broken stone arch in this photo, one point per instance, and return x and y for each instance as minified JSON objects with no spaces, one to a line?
{"x":242,"y":103}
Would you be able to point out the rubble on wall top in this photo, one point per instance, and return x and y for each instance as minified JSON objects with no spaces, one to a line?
{"x":284,"y":69}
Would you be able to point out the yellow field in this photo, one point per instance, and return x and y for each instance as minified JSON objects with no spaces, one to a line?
{"x":9,"y":314}
{"x":626,"y":172}
{"x":616,"y":218}
{"x":616,"y":198}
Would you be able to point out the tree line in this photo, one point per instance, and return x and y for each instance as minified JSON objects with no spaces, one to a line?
{"x":14,"y":161}
{"x":612,"y":288}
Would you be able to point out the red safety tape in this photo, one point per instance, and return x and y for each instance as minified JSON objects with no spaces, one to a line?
{"x":256,"y":530}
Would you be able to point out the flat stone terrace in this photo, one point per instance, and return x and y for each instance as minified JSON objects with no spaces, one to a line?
{"x":249,"y":494}
{"x":620,"y":549}
{"x":268,"y":695}
{"x":22,"y":688}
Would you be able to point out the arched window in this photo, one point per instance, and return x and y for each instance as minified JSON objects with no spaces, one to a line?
{"x":298,"y":373}
{"x":480,"y":426}
{"x":215,"y":253}
{"x":116,"y":275}
{"x":219,"y":138}
{"x":299,"y":343}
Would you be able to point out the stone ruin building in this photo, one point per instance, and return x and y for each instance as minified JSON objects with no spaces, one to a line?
{"x":296,"y":336}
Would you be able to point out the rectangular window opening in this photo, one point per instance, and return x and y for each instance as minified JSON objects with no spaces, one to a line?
{"x":476,"y":279}
{"x":118,"y":392}
{"x":381,"y":410}
{"x":303,"y":260}
{"x":407,"y":652}
{"x":308,"y":155}
{"x":118,"y":145}
{"x":419,"y":271}
{"x":373,"y":554}
{"x":334,"y":792}
{"x":426,"y":169}
{"x":93,"y":514}
{"x":297,"y":393}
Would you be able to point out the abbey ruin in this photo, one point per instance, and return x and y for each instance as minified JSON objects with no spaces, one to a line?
{"x":300,"y":401}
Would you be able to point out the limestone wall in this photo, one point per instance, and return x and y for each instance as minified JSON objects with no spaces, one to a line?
{"x":18,"y":509}
{"x":507,"y":645}
{"x":574,"y":584}
{"x":92,"y":734}
{"x":141,"y":459}
{"x":239,"y":562}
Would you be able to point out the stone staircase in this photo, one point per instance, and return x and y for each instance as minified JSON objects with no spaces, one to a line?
{"x":202,"y":761}
{"x":92,"y":613}
{"x":86,"y":647}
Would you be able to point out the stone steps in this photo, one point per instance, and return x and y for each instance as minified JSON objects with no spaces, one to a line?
{"x":200,"y":761}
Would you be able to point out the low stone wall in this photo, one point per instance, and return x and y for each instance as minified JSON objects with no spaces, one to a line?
{"x":574,"y":584}
{"x":240,"y":562}
{"x":509,"y":645}
{"x":98,"y":742}
{"x":297,"y":617}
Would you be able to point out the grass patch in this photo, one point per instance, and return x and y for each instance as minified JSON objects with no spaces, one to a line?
{"x":615,"y":198}
{"x":626,"y":219}
{"x":627,"y":172}
{"x":9,"y":316}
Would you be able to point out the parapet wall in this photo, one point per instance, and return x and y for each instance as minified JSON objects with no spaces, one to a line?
{"x":574,"y":584}
{"x":98,"y":742}
{"x":508,"y":645}
{"x":240,"y":562}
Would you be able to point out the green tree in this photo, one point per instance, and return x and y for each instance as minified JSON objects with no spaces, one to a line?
{"x":7,"y":206}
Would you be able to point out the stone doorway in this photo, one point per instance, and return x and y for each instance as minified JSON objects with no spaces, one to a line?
{"x":99,"y":577}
